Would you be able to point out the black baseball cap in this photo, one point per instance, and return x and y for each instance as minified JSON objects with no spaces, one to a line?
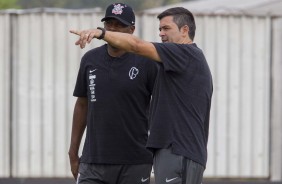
{"x":121,"y":12}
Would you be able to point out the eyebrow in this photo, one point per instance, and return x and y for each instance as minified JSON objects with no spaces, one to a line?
{"x":165,"y":26}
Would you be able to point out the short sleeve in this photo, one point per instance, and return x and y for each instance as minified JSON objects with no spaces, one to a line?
{"x":80,"y":89}
{"x":175,"y":57}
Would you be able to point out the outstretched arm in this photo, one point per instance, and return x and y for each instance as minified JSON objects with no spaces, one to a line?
{"x":124,"y":41}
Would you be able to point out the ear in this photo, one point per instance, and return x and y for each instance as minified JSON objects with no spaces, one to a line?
{"x":185,"y":31}
{"x":132,"y":29}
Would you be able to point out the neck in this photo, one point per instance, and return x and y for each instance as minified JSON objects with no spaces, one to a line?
{"x":115,"y":52}
{"x":187,"y":41}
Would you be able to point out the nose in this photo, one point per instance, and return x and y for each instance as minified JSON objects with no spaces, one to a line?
{"x":161,"y":33}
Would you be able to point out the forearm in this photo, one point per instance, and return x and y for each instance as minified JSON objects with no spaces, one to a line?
{"x":123,"y":41}
{"x":78,"y":125}
{"x":131,"y":43}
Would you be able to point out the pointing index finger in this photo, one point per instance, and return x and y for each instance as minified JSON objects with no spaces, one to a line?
{"x":75,"y":32}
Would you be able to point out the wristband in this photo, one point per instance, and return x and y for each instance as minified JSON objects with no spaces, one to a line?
{"x":103,"y":33}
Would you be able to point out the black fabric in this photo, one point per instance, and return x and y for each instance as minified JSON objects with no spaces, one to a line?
{"x":114,"y":174}
{"x":170,"y":168}
{"x":179,"y":115}
{"x":184,"y":170}
{"x":119,"y":92}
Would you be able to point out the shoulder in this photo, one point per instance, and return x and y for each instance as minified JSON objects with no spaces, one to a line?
{"x":94,"y":53}
{"x":144,"y":60}
{"x":171,"y":48}
{"x":171,"y":45}
{"x":99,"y":50}
{"x":183,"y":50}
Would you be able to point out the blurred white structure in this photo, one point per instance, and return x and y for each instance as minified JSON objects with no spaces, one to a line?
{"x":242,"y":40}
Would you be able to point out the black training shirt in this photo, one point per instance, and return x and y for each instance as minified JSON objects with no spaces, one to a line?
{"x":119,"y":92}
{"x":179,"y":115}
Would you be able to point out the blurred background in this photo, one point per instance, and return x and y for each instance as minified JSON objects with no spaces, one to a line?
{"x":242,"y":41}
{"x":74,"y":4}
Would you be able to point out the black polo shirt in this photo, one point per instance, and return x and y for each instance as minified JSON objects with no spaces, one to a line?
{"x":119,"y":91}
{"x":181,"y":102}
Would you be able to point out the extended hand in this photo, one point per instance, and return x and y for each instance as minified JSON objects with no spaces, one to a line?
{"x":85,"y":36}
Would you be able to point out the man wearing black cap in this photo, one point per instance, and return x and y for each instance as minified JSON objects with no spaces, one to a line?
{"x":114,"y":90}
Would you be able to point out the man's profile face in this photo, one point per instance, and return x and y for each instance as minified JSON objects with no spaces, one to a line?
{"x":169,"y":31}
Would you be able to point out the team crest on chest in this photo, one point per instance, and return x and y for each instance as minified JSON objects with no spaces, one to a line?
{"x":133,"y":72}
{"x":117,"y":9}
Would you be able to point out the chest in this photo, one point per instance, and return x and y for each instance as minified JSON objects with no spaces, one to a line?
{"x":115,"y":77}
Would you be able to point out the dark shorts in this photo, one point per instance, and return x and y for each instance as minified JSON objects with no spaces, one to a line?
{"x":170,"y":168}
{"x":114,"y":174}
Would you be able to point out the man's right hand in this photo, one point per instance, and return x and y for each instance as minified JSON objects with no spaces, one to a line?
{"x":86,"y":36}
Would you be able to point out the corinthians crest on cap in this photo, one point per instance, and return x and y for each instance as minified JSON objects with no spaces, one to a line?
{"x":117,"y":9}
{"x":120,"y":12}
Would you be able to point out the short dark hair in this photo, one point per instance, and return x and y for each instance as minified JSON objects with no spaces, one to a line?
{"x":181,"y":17}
